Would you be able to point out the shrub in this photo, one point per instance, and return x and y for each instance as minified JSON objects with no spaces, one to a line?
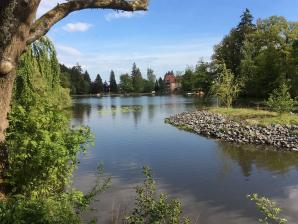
{"x":152,"y":208}
{"x":43,"y":148}
{"x":280,"y":100}
{"x":269,"y":210}
{"x":226,"y":88}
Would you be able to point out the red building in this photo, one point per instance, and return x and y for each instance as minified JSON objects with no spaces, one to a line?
{"x":171,"y":82}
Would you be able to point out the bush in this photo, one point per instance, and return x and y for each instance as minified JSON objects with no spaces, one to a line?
{"x":152,"y":208}
{"x":226,"y":88}
{"x":280,"y":100}
{"x":43,"y":148}
{"x":269,"y":210}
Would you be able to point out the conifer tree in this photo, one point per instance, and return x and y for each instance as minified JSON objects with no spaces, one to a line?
{"x":113,"y":83}
{"x":137,"y":80}
{"x":229,"y":51}
{"x":97,"y":85}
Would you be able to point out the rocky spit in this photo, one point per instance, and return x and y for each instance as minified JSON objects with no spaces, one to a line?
{"x":213,"y":125}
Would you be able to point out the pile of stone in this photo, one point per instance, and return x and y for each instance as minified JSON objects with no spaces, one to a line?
{"x":283,"y":137}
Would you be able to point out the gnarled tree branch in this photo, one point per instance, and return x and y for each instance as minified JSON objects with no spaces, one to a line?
{"x":41,"y":26}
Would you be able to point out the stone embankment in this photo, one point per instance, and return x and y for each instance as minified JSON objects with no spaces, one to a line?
{"x":283,"y":137}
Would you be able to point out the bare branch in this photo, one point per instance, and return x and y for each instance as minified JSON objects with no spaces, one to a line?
{"x":41,"y":26}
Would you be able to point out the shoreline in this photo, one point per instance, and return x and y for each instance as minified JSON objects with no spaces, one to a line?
{"x":218,"y":126}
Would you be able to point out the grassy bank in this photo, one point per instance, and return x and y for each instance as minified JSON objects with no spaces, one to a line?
{"x":259,"y":117}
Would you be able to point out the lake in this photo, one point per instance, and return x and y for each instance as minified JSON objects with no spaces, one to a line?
{"x":211,"y":178}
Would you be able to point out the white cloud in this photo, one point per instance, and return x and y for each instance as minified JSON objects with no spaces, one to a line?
{"x":77,"y":27}
{"x":68,"y":51}
{"x":124,"y":14}
{"x":161,"y":57}
{"x":47,"y":5}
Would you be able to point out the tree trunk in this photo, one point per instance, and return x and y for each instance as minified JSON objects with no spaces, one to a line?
{"x":16,"y":17}
{"x":6,"y":87}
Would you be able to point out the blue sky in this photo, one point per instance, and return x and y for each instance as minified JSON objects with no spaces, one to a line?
{"x":173,"y":34}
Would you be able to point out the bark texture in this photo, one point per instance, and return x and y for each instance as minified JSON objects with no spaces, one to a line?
{"x":18,"y":29}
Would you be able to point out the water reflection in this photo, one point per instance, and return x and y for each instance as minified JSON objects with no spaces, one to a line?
{"x":81,"y":112}
{"x":249,"y":156}
{"x":211,"y":178}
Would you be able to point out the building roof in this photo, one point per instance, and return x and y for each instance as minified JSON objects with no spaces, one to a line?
{"x":170,"y":77}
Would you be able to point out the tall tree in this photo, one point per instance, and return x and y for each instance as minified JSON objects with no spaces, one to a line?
{"x":106,"y":87}
{"x":19,"y":28}
{"x":126,"y":83}
{"x":203,"y":76}
{"x":151,"y":78}
{"x":161,"y":85}
{"x":86,"y":83}
{"x":97,"y":85}
{"x":270,"y":57}
{"x":137,"y":80}
{"x":229,"y":51}
{"x":188,"y":80}
{"x":113,"y":83}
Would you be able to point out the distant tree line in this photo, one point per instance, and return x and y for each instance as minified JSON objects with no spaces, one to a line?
{"x":261,"y":56}
{"x":79,"y":82}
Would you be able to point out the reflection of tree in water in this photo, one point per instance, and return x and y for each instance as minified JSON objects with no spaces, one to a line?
{"x":202,"y":102}
{"x":248,"y":156}
{"x":81,"y":111}
{"x":137,"y":114}
{"x":151,"y":112}
{"x":113,"y":111}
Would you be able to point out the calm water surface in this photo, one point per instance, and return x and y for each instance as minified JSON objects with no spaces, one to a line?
{"x":211,"y":178}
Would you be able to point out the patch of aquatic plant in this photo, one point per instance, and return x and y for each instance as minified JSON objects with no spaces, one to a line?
{"x":122,"y":109}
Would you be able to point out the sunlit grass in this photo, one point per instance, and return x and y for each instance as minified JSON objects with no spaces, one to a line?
{"x":258,"y":117}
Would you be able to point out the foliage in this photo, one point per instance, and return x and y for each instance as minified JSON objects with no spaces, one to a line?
{"x":113,"y":83}
{"x":270,"y":57}
{"x":37,"y":209}
{"x":203,"y":76}
{"x":280,"y":100}
{"x":149,"y":84}
{"x":226,"y":88}
{"x":50,"y":208}
{"x":76,"y":80}
{"x":42,"y":146}
{"x":188,"y":80}
{"x":97,"y":85}
{"x":152,"y":208}
{"x":137,"y":80}
{"x":160,"y":86}
{"x":43,"y":150}
{"x":126,"y":83}
{"x":269,"y":210}
{"x":230,"y":49}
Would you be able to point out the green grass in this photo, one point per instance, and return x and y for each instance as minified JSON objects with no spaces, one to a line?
{"x":259,"y":117}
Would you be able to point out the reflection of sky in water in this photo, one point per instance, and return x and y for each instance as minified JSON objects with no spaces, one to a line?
{"x":211,"y":178}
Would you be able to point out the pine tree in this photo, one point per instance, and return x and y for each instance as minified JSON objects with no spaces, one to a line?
{"x":113,"y":83}
{"x":151,"y":79}
{"x":97,"y":85}
{"x":137,"y":80}
{"x":106,"y":87}
{"x":229,"y":51}
{"x":161,"y":85}
{"x":86,"y":83}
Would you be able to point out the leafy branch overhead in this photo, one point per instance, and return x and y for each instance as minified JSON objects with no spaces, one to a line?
{"x":41,"y":26}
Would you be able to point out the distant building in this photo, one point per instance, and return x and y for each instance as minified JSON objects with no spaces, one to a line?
{"x":172,"y":83}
